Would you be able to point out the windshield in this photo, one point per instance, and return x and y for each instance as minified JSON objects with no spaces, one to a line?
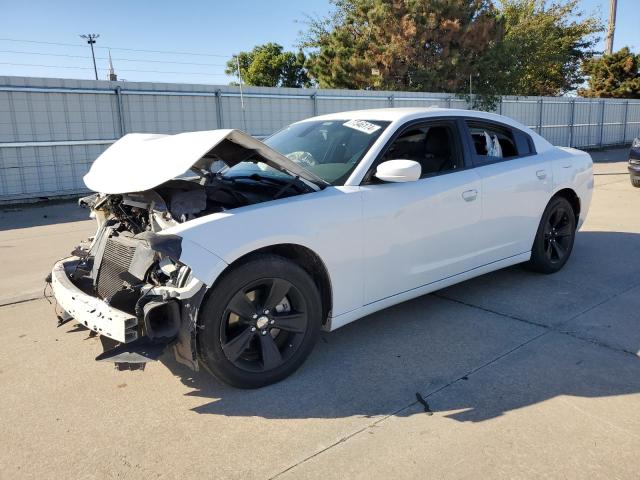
{"x":331,"y":149}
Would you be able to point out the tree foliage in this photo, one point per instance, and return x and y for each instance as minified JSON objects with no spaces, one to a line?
{"x":613,"y":76}
{"x":520,"y":47}
{"x":543,"y":47}
{"x":269,"y":65}
{"x":400,"y":44}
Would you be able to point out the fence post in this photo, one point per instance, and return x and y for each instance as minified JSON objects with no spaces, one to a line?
{"x":540,"y":117}
{"x":314,"y":105}
{"x":391,"y":101}
{"x":219,"y":117}
{"x":624,"y":125}
{"x":448,"y":102}
{"x":123,"y":129}
{"x":500,"y":106}
{"x":600,"y":143}
{"x":572,"y":121}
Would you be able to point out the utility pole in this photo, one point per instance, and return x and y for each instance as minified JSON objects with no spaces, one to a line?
{"x":91,"y":39}
{"x":608,"y":46}
{"x":244,"y":120}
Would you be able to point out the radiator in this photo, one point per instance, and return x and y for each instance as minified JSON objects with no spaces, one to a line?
{"x":116,"y":259}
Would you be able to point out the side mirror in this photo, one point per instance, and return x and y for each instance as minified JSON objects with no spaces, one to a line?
{"x":398,"y":171}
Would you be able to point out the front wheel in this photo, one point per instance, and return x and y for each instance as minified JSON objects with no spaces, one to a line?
{"x":555,"y":236}
{"x":260,"y":322}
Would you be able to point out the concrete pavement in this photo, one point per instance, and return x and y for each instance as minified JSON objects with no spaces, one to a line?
{"x":524,"y":375}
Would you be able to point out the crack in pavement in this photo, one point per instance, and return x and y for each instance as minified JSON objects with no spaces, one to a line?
{"x":22,"y":300}
{"x":558,"y":328}
{"x":410,"y":405}
{"x":547,"y":330}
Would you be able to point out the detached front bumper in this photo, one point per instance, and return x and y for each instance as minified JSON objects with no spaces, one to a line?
{"x":92,"y":312}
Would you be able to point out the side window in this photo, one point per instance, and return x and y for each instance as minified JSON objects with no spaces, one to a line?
{"x":492,"y":142}
{"x":433,"y":146}
{"x":524,"y":144}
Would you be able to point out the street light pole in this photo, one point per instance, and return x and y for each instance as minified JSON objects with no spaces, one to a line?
{"x":91,"y":39}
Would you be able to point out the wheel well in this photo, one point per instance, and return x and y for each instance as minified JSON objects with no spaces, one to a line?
{"x":308,"y":260}
{"x":572,"y":198}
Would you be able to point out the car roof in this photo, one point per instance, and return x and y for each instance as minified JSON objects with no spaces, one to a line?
{"x":404,"y":114}
{"x":407,"y":113}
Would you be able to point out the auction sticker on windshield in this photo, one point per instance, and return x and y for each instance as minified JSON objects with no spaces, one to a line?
{"x":362,"y":126}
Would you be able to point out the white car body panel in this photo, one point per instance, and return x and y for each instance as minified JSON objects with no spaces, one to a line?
{"x":514,"y":195}
{"x":328,"y":222}
{"x":380,"y":244}
{"x":376,"y":252}
{"x":419,"y":232}
{"x":573,"y":169}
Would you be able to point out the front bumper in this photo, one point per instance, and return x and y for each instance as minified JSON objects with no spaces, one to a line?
{"x":634,"y":168}
{"x":92,"y":312}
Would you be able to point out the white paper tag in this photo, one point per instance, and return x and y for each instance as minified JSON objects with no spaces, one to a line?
{"x":362,"y":126}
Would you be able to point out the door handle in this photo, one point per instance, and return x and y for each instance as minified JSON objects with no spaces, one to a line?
{"x":541,"y":174}
{"x":469,"y":195}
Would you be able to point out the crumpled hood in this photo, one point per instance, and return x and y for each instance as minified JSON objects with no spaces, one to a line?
{"x":142,"y":161}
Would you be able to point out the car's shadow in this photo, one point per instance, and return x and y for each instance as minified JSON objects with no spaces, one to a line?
{"x":376,"y":365}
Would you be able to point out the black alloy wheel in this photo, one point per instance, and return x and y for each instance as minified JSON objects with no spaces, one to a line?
{"x":558,"y":233}
{"x":259,"y":322}
{"x":264,"y":324}
{"x":555,"y":237}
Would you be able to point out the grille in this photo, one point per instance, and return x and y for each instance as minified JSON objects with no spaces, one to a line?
{"x":117,"y":257}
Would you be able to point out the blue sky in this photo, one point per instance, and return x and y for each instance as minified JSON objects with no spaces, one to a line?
{"x":215,"y":29}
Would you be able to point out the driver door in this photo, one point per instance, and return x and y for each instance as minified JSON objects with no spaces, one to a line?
{"x":419,"y":232}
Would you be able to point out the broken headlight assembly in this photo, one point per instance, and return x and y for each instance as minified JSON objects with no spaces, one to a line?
{"x":170,"y":272}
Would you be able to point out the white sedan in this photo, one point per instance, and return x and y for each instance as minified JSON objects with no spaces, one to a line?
{"x":237,"y":252}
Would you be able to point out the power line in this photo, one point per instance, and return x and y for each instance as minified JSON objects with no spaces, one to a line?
{"x":120,"y":59}
{"x":104,"y":69}
{"x":169,"y":52}
{"x":38,"y":65}
{"x":116,"y":48}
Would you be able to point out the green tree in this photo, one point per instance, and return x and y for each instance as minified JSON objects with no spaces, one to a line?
{"x":400,"y":44}
{"x":543,"y":47}
{"x":521,"y":47}
{"x":269,"y":65}
{"x":613,"y":76}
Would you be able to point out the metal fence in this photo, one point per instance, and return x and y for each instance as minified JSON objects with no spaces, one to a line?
{"x":52,"y":129}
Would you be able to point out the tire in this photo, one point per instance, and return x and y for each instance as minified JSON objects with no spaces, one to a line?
{"x":555,"y":237}
{"x":249,"y":337}
{"x":635,"y":181}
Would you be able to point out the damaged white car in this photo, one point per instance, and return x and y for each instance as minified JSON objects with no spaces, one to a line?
{"x":237,"y":252}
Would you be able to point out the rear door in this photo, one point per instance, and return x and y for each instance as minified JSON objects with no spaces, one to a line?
{"x":516,"y":185}
{"x":416,"y":233}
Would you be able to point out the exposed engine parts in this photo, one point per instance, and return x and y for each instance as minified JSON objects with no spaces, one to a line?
{"x":132,"y":267}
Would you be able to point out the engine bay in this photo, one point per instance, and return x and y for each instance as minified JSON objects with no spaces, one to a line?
{"x":181,"y":200}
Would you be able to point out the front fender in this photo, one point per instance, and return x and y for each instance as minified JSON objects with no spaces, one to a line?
{"x":328,"y":223}
{"x":205,"y":265}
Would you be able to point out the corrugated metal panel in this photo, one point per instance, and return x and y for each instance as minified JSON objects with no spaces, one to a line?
{"x":52,"y":129}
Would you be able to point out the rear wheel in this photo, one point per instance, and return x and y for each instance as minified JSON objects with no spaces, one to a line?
{"x":635,"y":181}
{"x":260,"y":322}
{"x":555,"y":236}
